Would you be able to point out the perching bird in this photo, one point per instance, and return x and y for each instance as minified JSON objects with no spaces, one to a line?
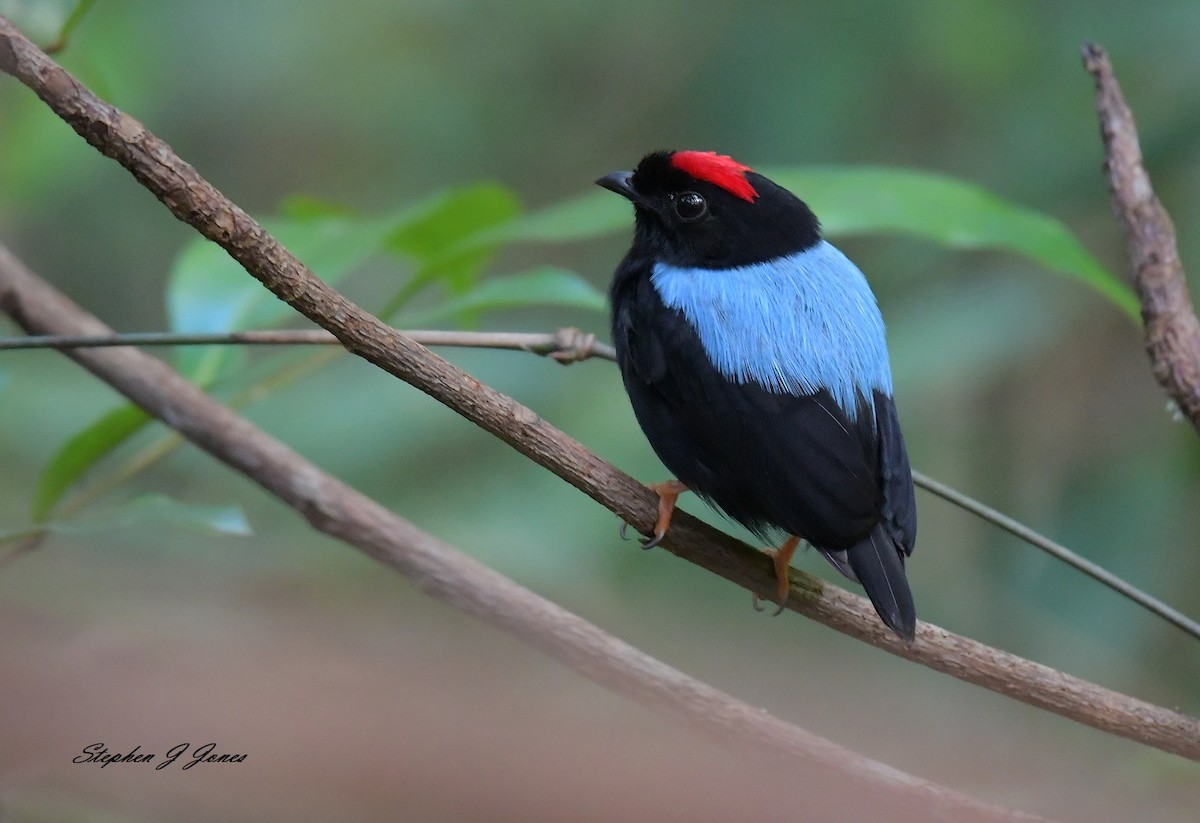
{"x":754,"y":356}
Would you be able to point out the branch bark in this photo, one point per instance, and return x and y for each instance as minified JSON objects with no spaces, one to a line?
{"x":566,"y":345}
{"x":1172,"y":331}
{"x":193,"y":200}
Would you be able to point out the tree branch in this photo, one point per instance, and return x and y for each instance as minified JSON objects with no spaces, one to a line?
{"x":1171,"y":329}
{"x":566,"y":345}
{"x":193,"y":200}
{"x":442,"y":571}
{"x":1059,"y":552}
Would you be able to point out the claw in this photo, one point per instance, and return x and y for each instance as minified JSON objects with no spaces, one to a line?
{"x":667,"y":493}
{"x":759,"y":607}
{"x":652,"y":541}
{"x":781,"y":558}
{"x":649,"y":543}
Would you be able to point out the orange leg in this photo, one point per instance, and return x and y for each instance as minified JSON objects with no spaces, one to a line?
{"x":668,"y":493}
{"x":782,"y":558}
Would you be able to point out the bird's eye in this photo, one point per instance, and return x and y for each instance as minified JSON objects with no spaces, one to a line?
{"x":690,"y":206}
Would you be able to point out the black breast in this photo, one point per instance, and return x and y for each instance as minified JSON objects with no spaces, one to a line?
{"x":773,"y":462}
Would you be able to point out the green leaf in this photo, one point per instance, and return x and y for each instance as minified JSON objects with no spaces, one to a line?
{"x":151,"y":509}
{"x":545,"y":286}
{"x":158,"y":508}
{"x":589,"y":215}
{"x":446,"y":222}
{"x":209,"y":292}
{"x":306,"y":207}
{"x":79,"y":454}
{"x":443,"y":236}
{"x":459,"y":269}
{"x":447,"y":236}
{"x":872,"y":200}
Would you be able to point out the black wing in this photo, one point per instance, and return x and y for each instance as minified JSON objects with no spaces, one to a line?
{"x":899,"y":500}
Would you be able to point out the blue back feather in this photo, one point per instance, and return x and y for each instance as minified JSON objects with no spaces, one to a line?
{"x":794,"y":325}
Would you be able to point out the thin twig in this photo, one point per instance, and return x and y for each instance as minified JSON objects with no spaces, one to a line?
{"x":566,"y":345}
{"x":195,"y":201}
{"x":1060,"y":552}
{"x":442,"y":571}
{"x":1171,"y":328}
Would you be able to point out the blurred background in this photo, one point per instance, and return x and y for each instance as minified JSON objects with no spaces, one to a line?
{"x":352,"y":694}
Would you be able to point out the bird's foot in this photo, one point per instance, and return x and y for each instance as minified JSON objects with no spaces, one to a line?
{"x":782,"y":558}
{"x":668,"y":493}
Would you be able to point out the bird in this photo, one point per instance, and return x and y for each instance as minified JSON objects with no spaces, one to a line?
{"x":754,"y":355}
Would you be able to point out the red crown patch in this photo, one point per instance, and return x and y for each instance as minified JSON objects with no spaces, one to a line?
{"x":719,"y":169}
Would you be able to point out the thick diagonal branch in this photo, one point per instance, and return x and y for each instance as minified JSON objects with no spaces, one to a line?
{"x":195,"y":201}
{"x":1171,"y":329}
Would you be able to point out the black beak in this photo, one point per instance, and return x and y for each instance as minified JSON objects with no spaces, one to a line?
{"x":621,"y":182}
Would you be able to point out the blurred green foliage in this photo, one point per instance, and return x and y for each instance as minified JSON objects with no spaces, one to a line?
{"x":361,"y":139}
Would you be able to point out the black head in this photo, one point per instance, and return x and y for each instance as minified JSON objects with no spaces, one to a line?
{"x":705,"y":210}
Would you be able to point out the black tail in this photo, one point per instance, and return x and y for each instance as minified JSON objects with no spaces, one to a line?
{"x":879,"y":567}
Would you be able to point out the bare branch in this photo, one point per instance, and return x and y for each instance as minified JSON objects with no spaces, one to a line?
{"x":441,"y":570}
{"x":1171,"y":329}
{"x":567,"y":345}
{"x":1059,"y":552}
{"x":193,"y":200}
